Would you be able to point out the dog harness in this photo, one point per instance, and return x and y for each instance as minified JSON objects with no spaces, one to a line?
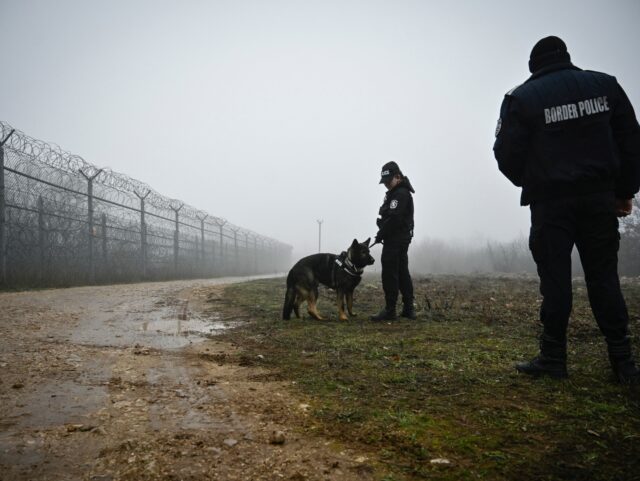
{"x":343,"y":262}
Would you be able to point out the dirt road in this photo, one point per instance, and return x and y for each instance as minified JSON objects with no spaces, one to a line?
{"x":128,"y":382}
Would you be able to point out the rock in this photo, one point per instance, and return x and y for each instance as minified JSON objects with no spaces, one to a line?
{"x":101,"y":477}
{"x":230,"y":442}
{"x":443,"y":461}
{"x":72,"y":428}
{"x":277,"y":437}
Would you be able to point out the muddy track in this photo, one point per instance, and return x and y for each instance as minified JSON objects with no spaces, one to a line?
{"x":129,"y":382}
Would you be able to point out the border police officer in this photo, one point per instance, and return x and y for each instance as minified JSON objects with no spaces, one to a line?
{"x":395,"y":224}
{"x":570,"y":139}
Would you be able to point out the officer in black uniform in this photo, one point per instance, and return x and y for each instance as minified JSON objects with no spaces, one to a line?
{"x":570,"y":139}
{"x":395,"y":224}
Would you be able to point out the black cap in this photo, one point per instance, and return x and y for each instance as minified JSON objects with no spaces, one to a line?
{"x":389,"y":170}
{"x":548,"y":51}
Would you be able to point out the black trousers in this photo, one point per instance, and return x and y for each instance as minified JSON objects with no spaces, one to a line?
{"x":395,"y":273}
{"x":589,"y":222}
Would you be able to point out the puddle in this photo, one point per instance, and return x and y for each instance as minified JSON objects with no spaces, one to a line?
{"x":179,"y":327}
{"x":181,"y":410}
{"x":20,"y":450}
{"x":173,"y":333}
{"x":58,"y":403}
{"x":153,"y":325}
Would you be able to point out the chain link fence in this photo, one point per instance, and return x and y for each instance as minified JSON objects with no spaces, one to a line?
{"x":64,"y":221}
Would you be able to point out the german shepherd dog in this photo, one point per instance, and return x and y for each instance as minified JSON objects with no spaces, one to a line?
{"x":341,"y":273}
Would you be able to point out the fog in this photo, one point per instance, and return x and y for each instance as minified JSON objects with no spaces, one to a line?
{"x":276,"y":114}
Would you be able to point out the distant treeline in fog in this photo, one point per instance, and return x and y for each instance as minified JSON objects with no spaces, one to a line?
{"x":434,"y":256}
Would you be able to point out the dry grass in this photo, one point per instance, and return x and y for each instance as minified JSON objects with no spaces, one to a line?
{"x":444,"y":386}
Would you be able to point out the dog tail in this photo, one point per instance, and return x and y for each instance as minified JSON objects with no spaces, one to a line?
{"x":289,"y":301}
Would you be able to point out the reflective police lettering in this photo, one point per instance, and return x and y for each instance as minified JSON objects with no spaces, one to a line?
{"x":572,"y":111}
{"x":581,"y":106}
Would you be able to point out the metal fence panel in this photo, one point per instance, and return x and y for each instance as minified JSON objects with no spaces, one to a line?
{"x":65,"y":221}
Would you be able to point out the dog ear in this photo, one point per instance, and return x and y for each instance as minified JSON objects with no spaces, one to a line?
{"x":367,"y":242}
{"x":354,"y":243}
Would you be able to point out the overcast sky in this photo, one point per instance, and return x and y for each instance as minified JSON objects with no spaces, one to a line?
{"x":273,"y":114}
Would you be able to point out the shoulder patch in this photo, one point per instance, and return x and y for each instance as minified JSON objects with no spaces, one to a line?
{"x":394,"y":204}
{"x":510,"y":92}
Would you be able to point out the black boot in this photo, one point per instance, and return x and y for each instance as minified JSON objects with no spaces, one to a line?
{"x":386,"y":314}
{"x":543,"y":366}
{"x":409,"y":311}
{"x":626,"y":372}
{"x":622,"y":363}
{"x":552,"y":360}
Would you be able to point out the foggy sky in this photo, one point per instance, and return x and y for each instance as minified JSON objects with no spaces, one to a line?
{"x":273,"y":114}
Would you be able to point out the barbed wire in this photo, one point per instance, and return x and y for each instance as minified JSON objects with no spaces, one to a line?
{"x":63,"y":168}
{"x":68,"y":204}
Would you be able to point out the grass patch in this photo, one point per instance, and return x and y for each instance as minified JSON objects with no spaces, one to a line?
{"x":444,"y":386}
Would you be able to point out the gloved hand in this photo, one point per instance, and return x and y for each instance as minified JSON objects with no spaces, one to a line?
{"x":624,"y":207}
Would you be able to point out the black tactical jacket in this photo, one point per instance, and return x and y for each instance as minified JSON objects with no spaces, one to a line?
{"x":395,"y":222}
{"x":567,"y":132}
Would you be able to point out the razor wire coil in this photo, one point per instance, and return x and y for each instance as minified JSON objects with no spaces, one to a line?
{"x":64,"y":218}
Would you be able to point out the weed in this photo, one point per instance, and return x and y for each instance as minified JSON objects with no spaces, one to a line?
{"x":444,"y":386}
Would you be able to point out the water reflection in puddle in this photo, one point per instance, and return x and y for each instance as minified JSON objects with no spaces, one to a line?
{"x":190,"y":327}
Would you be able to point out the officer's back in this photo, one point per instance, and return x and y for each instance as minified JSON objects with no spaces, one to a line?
{"x":565,"y":126}
{"x":570,"y":139}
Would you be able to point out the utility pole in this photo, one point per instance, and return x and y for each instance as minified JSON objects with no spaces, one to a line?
{"x":319,"y":221}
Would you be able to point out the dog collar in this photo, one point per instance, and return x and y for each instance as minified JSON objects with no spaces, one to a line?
{"x":348,"y":266}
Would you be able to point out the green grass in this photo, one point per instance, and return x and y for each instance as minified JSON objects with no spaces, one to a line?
{"x":444,"y":386}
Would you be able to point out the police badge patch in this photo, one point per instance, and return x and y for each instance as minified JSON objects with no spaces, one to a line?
{"x":394,"y":204}
{"x":499,"y":126}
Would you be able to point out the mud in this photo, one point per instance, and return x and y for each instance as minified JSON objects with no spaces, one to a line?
{"x":129,"y":382}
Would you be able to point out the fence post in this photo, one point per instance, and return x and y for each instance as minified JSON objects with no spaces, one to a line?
{"x":41,"y":246}
{"x":247,"y":269}
{"x":196,"y":264}
{"x":92,"y":267}
{"x":255,"y":254}
{"x":3,"y":220}
{"x":201,"y":253}
{"x":176,"y":239}
{"x":143,"y":234}
{"x":221,"y":224}
{"x":235,"y":247}
{"x":104,"y":244}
